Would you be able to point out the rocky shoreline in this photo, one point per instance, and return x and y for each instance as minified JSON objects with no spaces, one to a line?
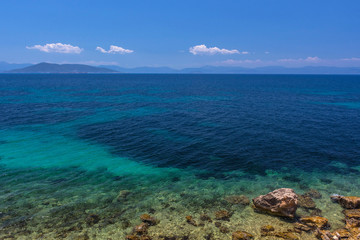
{"x":280,"y":214}
{"x":282,"y":202}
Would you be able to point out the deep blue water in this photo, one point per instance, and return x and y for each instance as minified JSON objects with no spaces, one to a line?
{"x":216,"y":123}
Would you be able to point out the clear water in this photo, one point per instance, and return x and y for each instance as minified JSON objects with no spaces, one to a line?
{"x":179,"y":143}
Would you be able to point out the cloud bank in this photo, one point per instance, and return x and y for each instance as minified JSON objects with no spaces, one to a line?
{"x":115,"y":49}
{"x":204,"y":50}
{"x":299,"y":60}
{"x":57,"y":48}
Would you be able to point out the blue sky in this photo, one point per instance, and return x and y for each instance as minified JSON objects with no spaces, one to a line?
{"x":182,"y":33}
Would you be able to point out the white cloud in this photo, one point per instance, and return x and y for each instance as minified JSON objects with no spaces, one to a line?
{"x":299,"y":60}
{"x":239,"y":62}
{"x":203,"y":50}
{"x":312,"y":59}
{"x":351,"y":59}
{"x":57,"y":48}
{"x":115,"y":49}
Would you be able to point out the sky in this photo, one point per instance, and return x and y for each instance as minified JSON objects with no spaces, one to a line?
{"x":182,"y":33}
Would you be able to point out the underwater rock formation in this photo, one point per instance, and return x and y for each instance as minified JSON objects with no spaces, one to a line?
{"x":281,"y":202}
{"x":285,"y":235}
{"x":242,"y":235}
{"x":224,"y":229}
{"x":146,"y":218}
{"x":141,"y":229}
{"x":223,"y":215}
{"x":205,"y":218}
{"x":92,"y":219}
{"x":352,"y":213}
{"x":269,"y":231}
{"x":123,"y":194}
{"x":342,"y":233}
{"x":313,"y":194}
{"x":306,"y":201}
{"x":264,"y":230}
{"x":315,"y":222}
{"x":299,"y":227}
{"x":349,"y":202}
{"x":191,"y":221}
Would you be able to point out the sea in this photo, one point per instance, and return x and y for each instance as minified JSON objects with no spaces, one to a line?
{"x":83,"y":156}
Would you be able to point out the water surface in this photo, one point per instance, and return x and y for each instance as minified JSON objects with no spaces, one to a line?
{"x":179,"y":143}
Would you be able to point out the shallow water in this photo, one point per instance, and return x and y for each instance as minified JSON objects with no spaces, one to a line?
{"x":179,"y":143}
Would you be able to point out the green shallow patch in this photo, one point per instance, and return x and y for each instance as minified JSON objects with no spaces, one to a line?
{"x":23,"y":149}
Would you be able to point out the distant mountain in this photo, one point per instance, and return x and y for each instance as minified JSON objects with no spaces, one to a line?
{"x":61,"y":68}
{"x":80,"y":68}
{"x":4,"y":66}
{"x":142,"y":69}
{"x":272,"y":70}
{"x":240,"y":70}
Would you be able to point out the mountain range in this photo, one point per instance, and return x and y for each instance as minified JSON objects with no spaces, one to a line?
{"x":61,"y":68}
{"x":81,"y":68}
{"x":4,"y":66}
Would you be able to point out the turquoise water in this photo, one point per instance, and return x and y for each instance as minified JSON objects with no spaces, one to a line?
{"x":69,"y":144}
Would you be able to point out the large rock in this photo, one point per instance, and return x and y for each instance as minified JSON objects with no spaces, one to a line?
{"x":281,"y":202}
{"x":350,"y":202}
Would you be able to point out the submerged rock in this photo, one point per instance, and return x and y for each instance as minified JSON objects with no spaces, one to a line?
{"x":315,"y":221}
{"x":141,"y":229}
{"x":349,"y":202}
{"x":316,"y":212}
{"x":269,"y":231}
{"x":285,"y":235}
{"x":242,"y":235}
{"x":92,"y":219}
{"x":223,"y":215}
{"x":224,"y":229}
{"x":341,"y":233}
{"x":352,"y":213}
{"x":123,"y":194}
{"x":306,"y":202}
{"x":145,"y":237}
{"x":335,"y":197}
{"x":266,"y":229}
{"x":324,"y":235}
{"x":191,"y":221}
{"x":83,"y":237}
{"x":281,"y":202}
{"x":352,"y":218}
{"x":146,"y":218}
{"x":352,"y":223}
{"x":135,"y":237}
{"x":205,"y":217}
{"x":238,"y":199}
{"x":132,"y":237}
{"x":313,"y":194}
{"x":299,"y":227}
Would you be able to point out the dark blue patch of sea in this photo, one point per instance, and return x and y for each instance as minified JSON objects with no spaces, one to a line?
{"x":216,"y":123}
